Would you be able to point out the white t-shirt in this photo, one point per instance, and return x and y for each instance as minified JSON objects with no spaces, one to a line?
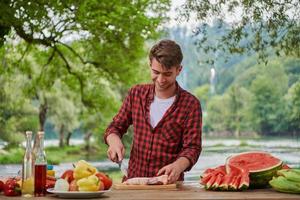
{"x":158,"y":108}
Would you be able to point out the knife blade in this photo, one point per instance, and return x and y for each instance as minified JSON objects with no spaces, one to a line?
{"x":123,"y":168}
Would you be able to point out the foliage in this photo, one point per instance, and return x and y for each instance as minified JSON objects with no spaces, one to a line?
{"x":75,"y":59}
{"x":14,"y":156}
{"x":293,"y":97}
{"x":230,"y":112}
{"x":257,"y":99}
{"x":231,"y":109}
{"x":203,"y":94}
{"x":265,"y":104}
{"x":56,"y":155}
{"x":250,"y":26}
{"x":16,"y":112}
{"x":216,"y":113}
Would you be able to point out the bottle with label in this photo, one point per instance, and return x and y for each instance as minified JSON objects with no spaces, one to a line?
{"x":27,"y":168}
{"x":40,"y":167}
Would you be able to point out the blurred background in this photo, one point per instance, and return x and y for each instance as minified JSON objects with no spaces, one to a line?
{"x":66,"y":66}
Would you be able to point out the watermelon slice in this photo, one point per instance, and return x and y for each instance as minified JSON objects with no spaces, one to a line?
{"x":210,"y":182}
{"x":261,"y":167}
{"x":208,"y":173}
{"x":217,"y":182}
{"x":244,"y":182}
{"x":206,"y":178}
{"x":225,"y":182}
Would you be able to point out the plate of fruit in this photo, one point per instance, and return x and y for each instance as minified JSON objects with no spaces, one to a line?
{"x":84,"y":181}
{"x":77,"y":194}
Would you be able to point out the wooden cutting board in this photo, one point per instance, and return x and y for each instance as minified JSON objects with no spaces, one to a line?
{"x":121,"y":186}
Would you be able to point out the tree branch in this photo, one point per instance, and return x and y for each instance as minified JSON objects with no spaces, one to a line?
{"x":23,"y":55}
{"x":97,"y":64}
{"x":29,"y":38}
{"x":68,"y":66}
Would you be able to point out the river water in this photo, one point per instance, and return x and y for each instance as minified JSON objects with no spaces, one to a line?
{"x":214,"y":153}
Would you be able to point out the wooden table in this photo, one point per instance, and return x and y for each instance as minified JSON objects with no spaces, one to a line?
{"x":192,"y":191}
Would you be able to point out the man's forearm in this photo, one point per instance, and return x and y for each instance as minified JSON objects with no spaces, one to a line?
{"x":113,"y":137}
{"x":183,"y":162}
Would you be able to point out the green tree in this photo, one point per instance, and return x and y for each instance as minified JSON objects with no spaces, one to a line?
{"x":63,"y":112}
{"x":94,"y":48}
{"x":203,"y":94}
{"x":217,"y":113}
{"x":230,"y":111}
{"x":293,"y":98}
{"x":267,"y":105}
{"x":17,"y":114}
{"x":235,"y":109}
{"x":254,"y":25}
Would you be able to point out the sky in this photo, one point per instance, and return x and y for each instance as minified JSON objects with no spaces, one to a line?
{"x":173,"y":14}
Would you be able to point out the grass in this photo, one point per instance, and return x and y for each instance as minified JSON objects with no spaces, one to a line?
{"x":13,"y":156}
{"x":56,"y":155}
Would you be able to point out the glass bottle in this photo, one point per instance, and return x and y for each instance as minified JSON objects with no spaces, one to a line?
{"x":27,"y":168}
{"x":40,"y":167}
{"x":36,"y":145}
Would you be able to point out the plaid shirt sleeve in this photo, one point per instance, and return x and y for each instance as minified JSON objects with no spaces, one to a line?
{"x":122,"y":120}
{"x":192,"y":136}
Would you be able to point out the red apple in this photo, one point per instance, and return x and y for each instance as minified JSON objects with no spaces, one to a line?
{"x":68,"y":175}
{"x":105,"y":179}
{"x":101,"y":186}
{"x":73,"y":186}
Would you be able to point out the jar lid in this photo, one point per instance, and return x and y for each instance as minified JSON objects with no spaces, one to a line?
{"x":49,"y":167}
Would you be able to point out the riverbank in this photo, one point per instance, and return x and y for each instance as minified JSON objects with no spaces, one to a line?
{"x":214,"y":153}
{"x":57,"y":155}
{"x":289,"y":147}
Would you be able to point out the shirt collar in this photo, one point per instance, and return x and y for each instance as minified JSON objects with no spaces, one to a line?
{"x":152,"y":92}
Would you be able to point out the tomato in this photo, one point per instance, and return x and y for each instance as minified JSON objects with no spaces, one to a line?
{"x":12,"y":188}
{"x":1,"y":186}
{"x":50,"y":184}
{"x":105,"y":179}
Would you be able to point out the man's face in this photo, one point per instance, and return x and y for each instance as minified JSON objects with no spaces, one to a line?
{"x":162,"y":77}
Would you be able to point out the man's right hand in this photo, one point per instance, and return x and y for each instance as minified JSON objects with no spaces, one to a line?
{"x":116,"y":150}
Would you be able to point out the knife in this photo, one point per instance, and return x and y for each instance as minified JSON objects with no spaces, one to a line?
{"x":123,"y":168}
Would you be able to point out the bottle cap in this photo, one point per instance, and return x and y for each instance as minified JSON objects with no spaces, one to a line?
{"x":49,"y":167}
{"x":28,"y":132}
{"x":41,"y":133}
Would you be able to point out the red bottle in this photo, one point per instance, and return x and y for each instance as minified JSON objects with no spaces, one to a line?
{"x":40,"y":168}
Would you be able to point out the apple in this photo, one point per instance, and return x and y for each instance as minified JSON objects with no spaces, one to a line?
{"x":68,"y":175}
{"x":73,"y":186}
{"x":105,"y":179}
{"x":101,"y":185}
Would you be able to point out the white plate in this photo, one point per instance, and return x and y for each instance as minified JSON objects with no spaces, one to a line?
{"x":77,"y":194}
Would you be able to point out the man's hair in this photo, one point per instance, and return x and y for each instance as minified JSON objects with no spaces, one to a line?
{"x":166,"y":52}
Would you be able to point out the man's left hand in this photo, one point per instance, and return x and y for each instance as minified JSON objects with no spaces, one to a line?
{"x":174,"y":169}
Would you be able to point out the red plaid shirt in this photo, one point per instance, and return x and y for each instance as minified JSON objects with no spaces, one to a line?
{"x":178,"y":134}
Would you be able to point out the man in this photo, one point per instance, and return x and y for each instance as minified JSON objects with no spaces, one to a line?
{"x":166,"y":119}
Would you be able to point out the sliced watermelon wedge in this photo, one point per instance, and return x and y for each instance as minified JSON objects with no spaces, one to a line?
{"x":260,"y":165}
{"x":244,"y":182}
{"x":210,"y":182}
{"x":249,"y":169}
{"x":225,"y":182}
{"x":218,"y":181}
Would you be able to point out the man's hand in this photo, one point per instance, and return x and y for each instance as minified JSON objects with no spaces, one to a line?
{"x":174,"y":169}
{"x":116,"y":150}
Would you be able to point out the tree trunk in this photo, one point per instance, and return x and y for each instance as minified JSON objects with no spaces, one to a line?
{"x":61,"y":135}
{"x":87,"y":139}
{"x":237,"y":133}
{"x":42,"y":115}
{"x":68,"y":138}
